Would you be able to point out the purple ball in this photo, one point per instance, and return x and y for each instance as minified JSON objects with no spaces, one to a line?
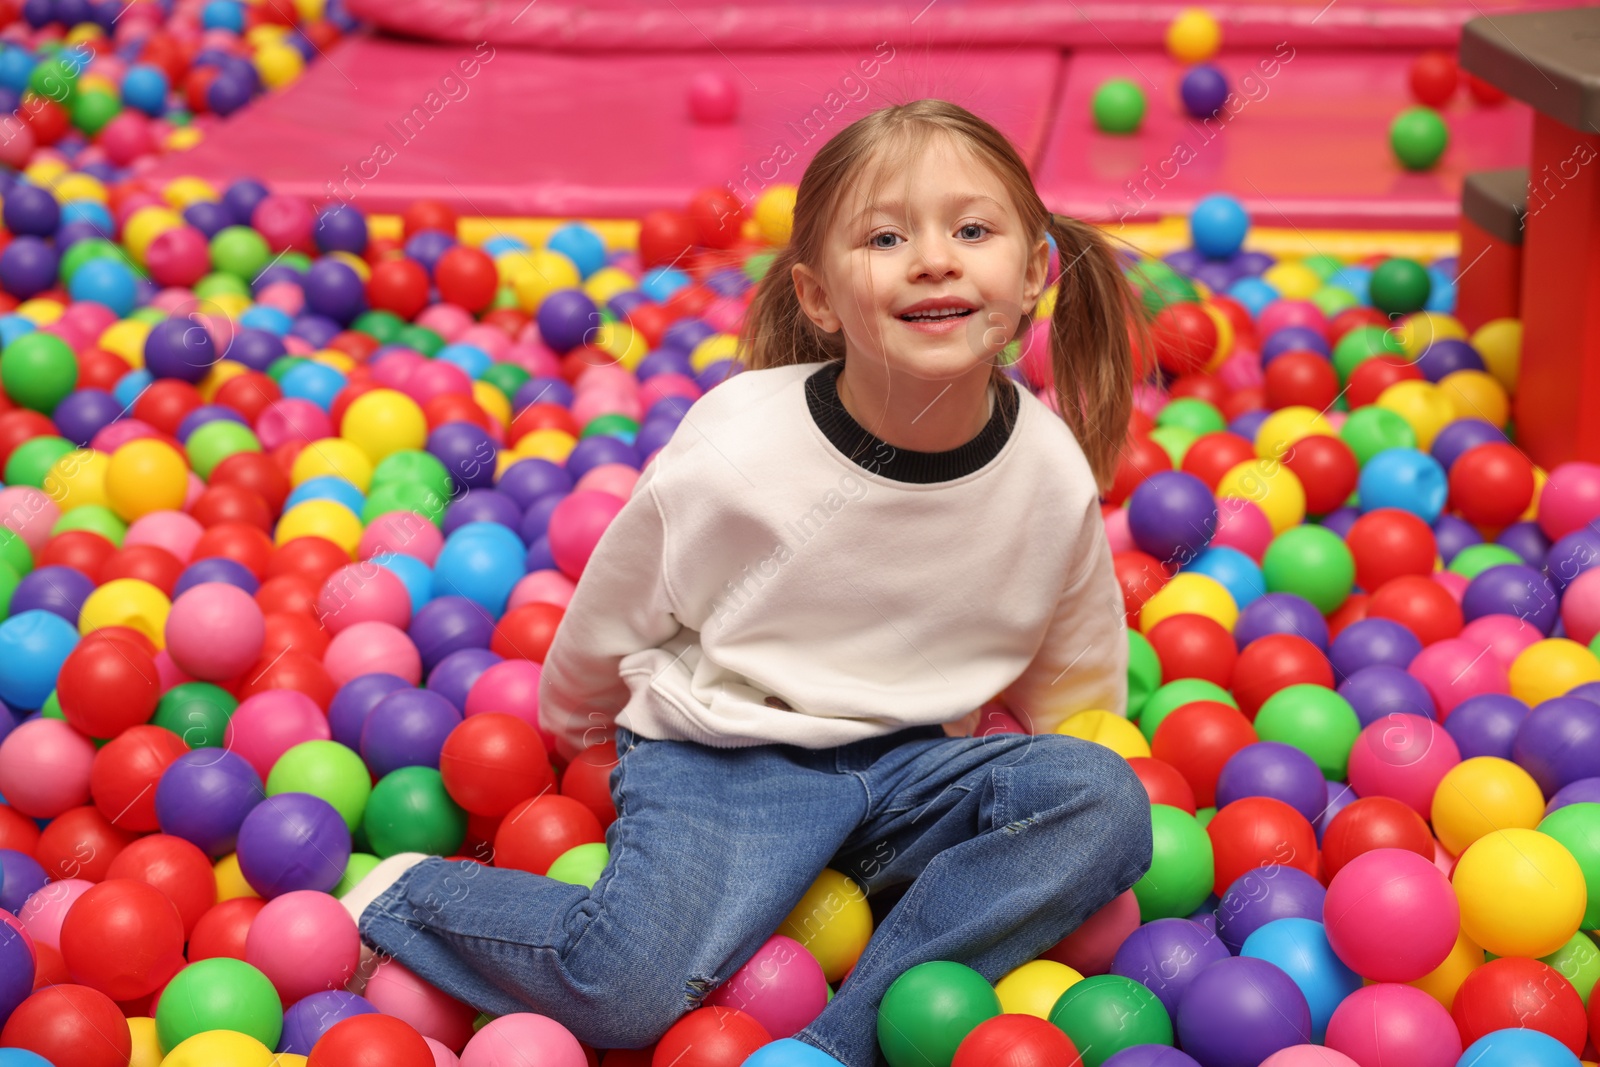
{"x":1559,"y":742}
{"x":653,"y":434}
{"x":1340,"y":520}
{"x":1172,"y":516}
{"x":1263,"y":894}
{"x":566,"y":318}
{"x":1486,"y":724}
{"x":543,"y":391}
{"x":1513,"y":589}
{"x":1571,"y":555}
{"x":539,"y":557}
{"x":241,"y":199}
{"x":1527,"y":541}
{"x":527,"y":480}
{"x":203,"y":797}
{"x":1204,"y":88}
{"x":28,"y":267}
{"x":58,"y":590}
{"x":597,"y":451}
{"x":354,"y":701}
{"x":456,"y":674}
{"x":1588,"y":691}
{"x":1185,"y":260}
{"x":536,"y":519}
{"x":664,"y":360}
{"x":273,"y":273}
{"x":1150,"y":1056}
{"x":312,"y":1016}
{"x":1451,"y":534}
{"x":1254,"y":263}
{"x":229,"y":92}
{"x":407,"y":729}
{"x":1374,"y":692}
{"x":21,"y":876}
{"x":1165,"y":955}
{"x":31,"y":210}
{"x":448,"y":624}
{"x":255,"y":348}
{"x":628,"y":301}
{"x":316,"y":330}
{"x":1460,"y":436}
{"x":179,"y":348}
{"x":688,"y":333}
{"x":1293,"y":339}
{"x":334,"y":289}
{"x":293,"y":841}
{"x":207,"y":413}
{"x":482,"y":505}
{"x":1274,"y":769}
{"x":1216,"y":275}
{"x":1583,"y":791}
{"x":467,"y":452}
{"x":1240,"y":1011}
{"x":1280,"y":613}
{"x":1340,"y":796}
{"x":1446,"y":356}
{"x":1371,"y":643}
{"x":210,"y":217}
{"x":427,"y":246}
{"x":216,"y":569}
{"x":341,"y":228}
{"x":83,"y":414}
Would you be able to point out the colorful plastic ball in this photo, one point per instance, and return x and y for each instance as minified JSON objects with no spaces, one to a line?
{"x":1403,"y":478}
{"x":396,"y":991}
{"x":1559,"y":742}
{"x":214,"y":631}
{"x":204,"y":796}
{"x":1497,"y":996}
{"x":1313,"y":563}
{"x":216,"y":1047}
{"x":38,"y":370}
{"x":269,"y":722}
{"x":1521,"y":893}
{"x":1418,"y":137}
{"x":713,"y":1035}
{"x":1541,"y":671}
{"x":1109,"y":1013}
{"x":1481,"y":795}
{"x":126,"y":771}
{"x":33,"y":646}
{"x":1371,"y":823}
{"x":1454,"y":670}
{"x":492,"y":762}
{"x":1390,"y":1023}
{"x":124,"y":938}
{"x":1519,"y":1047}
{"x":293,"y":841}
{"x":1284,"y":615}
{"x":1390,"y":915}
{"x":1276,"y":770}
{"x":1193,"y":36}
{"x":45,"y":768}
{"x":313,"y":1015}
{"x":1189,"y":593}
{"x":383,"y":422}
{"x":930,"y":1009}
{"x":1193,"y":646}
{"x":1203,"y":90}
{"x":1165,"y":956}
{"x":1117,"y":106}
{"x":1172,"y":516}
{"x":368,"y":1040}
{"x":1181,"y":872}
{"x":1218,"y":223}
{"x":410,"y":811}
{"x":1256,"y":831}
{"x":788,"y":1053}
{"x":1242,"y":1010}
{"x":62,"y":1024}
{"x":1434,"y":77}
{"x":303,"y":941}
{"x":781,"y":987}
{"x":1421,"y":605}
{"x":407,"y":728}
{"x":328,"y":770}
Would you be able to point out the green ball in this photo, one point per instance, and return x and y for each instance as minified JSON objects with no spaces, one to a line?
{"x":929,"y":1009}
{"x":219,"y":994}
{"x":9,"y":580}
{"x":30,"y":462}
{"x":1577,"y":826}
{"x":1332,"y":299}
{"x":1311,"y":562}
{"x":283,"y":365}
{"x":1371,"y":429}
{"x":1107,"y":1013}
{"x":1578,"y":961}
{"x":412,"y":467}
{"x":15,"y":553}
{"x":409,"y":811}
{"x":1118,"y":106}
{"x":506,"y":377}
{"x":612,"y":425}
{"x":1203,"y":816}
{"x":1325,"y":266}
{"x":1159,"y":285}
{"x":148,"y":315}
{"x":38,"y":370}
{"x":580,"y":864}
{"x":403,"y":497}
{"x":240,"y":251}
{"x":198,"y":712}
{"x":216,"y":441}
{"x":1475,"y":559}
{"x":55,"y":80}
{"x":360,"y":865}
{"x":1144,"y":672}
{"x":1419,"y":137}
{"x":1174,"y":695}
{"x":422,"y":339}
{"x":1360,"y":345}
{"x":381,"y":326}
{"x":1192,"y":414}
{"x":1182,"y":867}
{"x":1316,"y":720}
{"x":504,"y":297}
{"x":96,"y":519}
{"x":1400,"y":286}
{"x":1174,"y":441}
{"x":218,"y":284}
{"x":756,"y":267}
{"x":90,"y":248}
{"x":91,"y":110}
{"x":299,"y":261}
{"x":328,"y":770}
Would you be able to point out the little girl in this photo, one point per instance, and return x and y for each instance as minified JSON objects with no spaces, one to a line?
{"x":840,"y":554}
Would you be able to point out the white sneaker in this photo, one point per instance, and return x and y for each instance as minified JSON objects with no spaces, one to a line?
{"x":377,"y":880}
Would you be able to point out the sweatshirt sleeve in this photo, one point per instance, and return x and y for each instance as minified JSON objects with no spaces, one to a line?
{"x":1082,"y":664}
{"x":621,"y":606}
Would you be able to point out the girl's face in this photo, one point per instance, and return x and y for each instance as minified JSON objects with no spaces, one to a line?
{"x":932,"y":277}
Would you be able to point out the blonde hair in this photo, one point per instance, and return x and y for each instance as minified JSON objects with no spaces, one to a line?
{"x":1097,"y":313}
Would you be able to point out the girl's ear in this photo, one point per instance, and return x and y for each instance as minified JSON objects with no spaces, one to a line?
{"x":1038,"y":270}
{"x":814,"y":299}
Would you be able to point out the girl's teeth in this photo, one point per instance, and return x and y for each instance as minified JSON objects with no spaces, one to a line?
{"x":948,"y":314}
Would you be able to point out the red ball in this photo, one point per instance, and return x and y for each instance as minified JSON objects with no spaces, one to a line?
{"x":1354,"y":609}
{"x":313,"y":558}
{"x":664,"y":237}
{"x":176,"y":867}
{"x":147,"y":563}
{"x":1141,"y":577}
{"x":1197,"y":739}
{"x":1257,"y":832}
{"x":1373,"y":823}
{"x":71,"y":1024}
{"x":17,"y":831}
{"x":371,"y":1041}
{"x":291,"y":670}
{"x":105,"y":688}
{"x":587,"y":780}
{"x":1433,"y":82}
{"x":1372,"y":377}
{"x":1420,"y":604}
{"x":124,"y":938}
{"x":1139,"y":458}
{"x":1244,"y":401}
{"x":81,"y":550}
{"x":232,"y":503}
{"x":1300,"y":378}
{"x":1484,"y":93}
{"x":717,"y":216}
{"x":19,"y":426}
{"x":710,"y":1036}
{"x":1185,"y":338}
{"x":1205,"y":387}
{"x":246,"y":545}
{"x":1388,"y":543}
{"x":467,"y":277}
{"x":223,"y":929}
{"x":99,"y":369}
{"x":1016,"y":1041}
{"x":1194,"y":646}
{"x":254,"y":471}
{"x":249,"y":394}
{"x":1276,"y":662}
{"x":1214,"y":454}
{"x":164,"y":404}
{"x":537,"y":831}
{"x":1514,"y":992}
{"x":288,"y":594}
{"x":526,"y":632}
{"x":80,"y":843}
{"x":297,"y":631}
{"x":48,"y":119}
{"x":123,"y":776}
{"x":1163,"y":782}
{"x":1491,"y":484}
{"x":399,"y":286}
{"x":1327,"y":470}
{"x":491,"y":763}
{"x":428,"y":215}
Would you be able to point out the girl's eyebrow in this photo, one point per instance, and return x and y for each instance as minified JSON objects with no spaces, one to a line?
{"x":892,"y":207}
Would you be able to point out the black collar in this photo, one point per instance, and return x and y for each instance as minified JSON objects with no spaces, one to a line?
{"x":898,"y":464}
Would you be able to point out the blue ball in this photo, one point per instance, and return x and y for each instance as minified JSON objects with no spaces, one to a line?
{"x":145,"y":87}
{"x":316,"y":382}
{"x":1299,"y":947}
{"x":501,"y":243}
{"x":89,"y":211}
{"x":1204,"y":88}
{"x":414,"y":574}
{"x":1218,"y":224}
{"x":223,"y":15}
{"x":580,"y":244}
{"x":1238,"y":573}
{"x":21,"y":1057}
{"x":33,"y":645}
{"x":108,"y":282}
{"x":470,"y":358}
{"x":16,"y":65}
{"x":131,"y":385}
{"x":659,"y":283}
{"x":482,"y":561}
{"x":1517,"y":1048}
{"x":273,"y":320}
{"x":327,"y":487}
{"x":788,"y":1052}
{"x":1404,"y":478}
{"x":1253,"y":293}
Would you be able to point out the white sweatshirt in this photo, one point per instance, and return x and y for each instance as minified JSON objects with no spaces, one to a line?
{"x":761,"y":587}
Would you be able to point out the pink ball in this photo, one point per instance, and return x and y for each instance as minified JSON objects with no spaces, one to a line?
{"x":447,"y":320}
{"x":1243,"y":526}
{"x":993,"y":718}
{"x":285,"y":221}
{"x":92,"y":318}
{"x":72,"y":335}
{"x":1091,"y":948}
{"x":575,"y":528}
{"x":363,"y":592}
{"x":195,"y":487}
{"x":1391,"y":916}
{"x":1404,"y":757}
{"x":1570,"y":499}
{"x":114,"y":436}
{"x":534,"y":357}
{"x":437,"y":379}
{"x":1454,"y":584}
{"x":44,"y":768}
{"x":1118,"y":531}
{"x":127,"y":137}
{"x":1147,"y":398}
{"x":593,"y":403}
{"x":1453,"y":670}
{"x":179,"y":256}
{"x":782,"y":987}
{"x":43,"y":913}
{"x":174,"y":300}
{"x":404,"y":533}
{"x":372,"y":648}
{"x":1281,"y":313}
{"x":510,"y":686}
{"x":1580,"y":606}
{"x":713,"y":98}
{"x":292,"y":419}
{"x":172,"y":530}
{"x":615,"y":478}
{"x":1242,"y":370}
{"x":506,"y":1042}
{"x":285,"y":296}
{"x":168,"y":673}
{"x":663,"y":386}
{"x":542,"y":587}
{"x":724,"y":315}
{"x":303,"y":941}
{"x":492,"y":339}
{"x":215,"y":631}
{"x":1506,"y":636}
{"x":394,"y":990}
{"x":28,"y":513}
{"x":1308,"y":1056}
{"x":393,"y":369}
{"x":442,"y":1057}
{"x":1388,"y":1025}
{"x":267,"y":725}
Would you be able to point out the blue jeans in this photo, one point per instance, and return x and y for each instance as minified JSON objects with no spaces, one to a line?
{"x":1008,"y":843}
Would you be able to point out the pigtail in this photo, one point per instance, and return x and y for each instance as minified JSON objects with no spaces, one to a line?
{"x":1093,"y":332}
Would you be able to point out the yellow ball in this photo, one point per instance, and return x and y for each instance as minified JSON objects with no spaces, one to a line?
{"x":321,"y":518}
{"x":339,"y":361}
{"x":1443,"y":981}
{"x":354,"y":262}
{"x":44,"y":172}
{"x":78,"y":479}
{"x":774,"y":214}
{"x":219,"y":1048}
{"x":493,"y":401}
{"x":126,"y":339}
{"x":607,"y":282}
{"x":40,"y":312}
{"x":1420,"y":330}
{"x":545,"y":272}
{"x":128,"y":602}
{"x":1194,"y":36}
{"x":1521,"y":893}
{"x":184,"y":138}
{"x":230,"y":304}
{"x":78,"y":187}
{"x":309,"y":10}
{"x":289,"y":1059}
{"x":1480,"y":795}
{"x":265,"y":33}
{"x":335,"y":456}
{"x":1499,"y":343}
{"x":1551,"y":668}
{"x":279,"y":64}
{"x":144,"y":226}
{"x":1280,"y":430}
{"x":625,"y":343}
{"x":1190,"y":594}
{"x":1293,"y":280}
{"x":381,"y":423}
{"x":221,"y":373}
{"x":833,"y":921}
{"x":1109,"y":730}
{"x":1034,"y":988}
{"x":716,"y":347}
{"x":146,"y":1045}
{"x":1225,"y":336}
{"x":144,"y":476}
{"x":230,"y":880}
{"x":1540,"y":476}
{"x":554,"y":445}
{"x":1272,"y":487}
{"x":181,"y":192}
{"x":1475,"y":394}
{"x":1425,"y":409}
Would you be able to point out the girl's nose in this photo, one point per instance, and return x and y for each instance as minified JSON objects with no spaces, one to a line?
{"x":935,"y":257}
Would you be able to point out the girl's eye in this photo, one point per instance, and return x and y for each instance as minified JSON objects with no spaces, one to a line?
{"x":874,"y":240}
{"x":980,"y":227}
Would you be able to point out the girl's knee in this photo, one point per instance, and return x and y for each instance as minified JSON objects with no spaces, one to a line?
{"x":1090,"y":781}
